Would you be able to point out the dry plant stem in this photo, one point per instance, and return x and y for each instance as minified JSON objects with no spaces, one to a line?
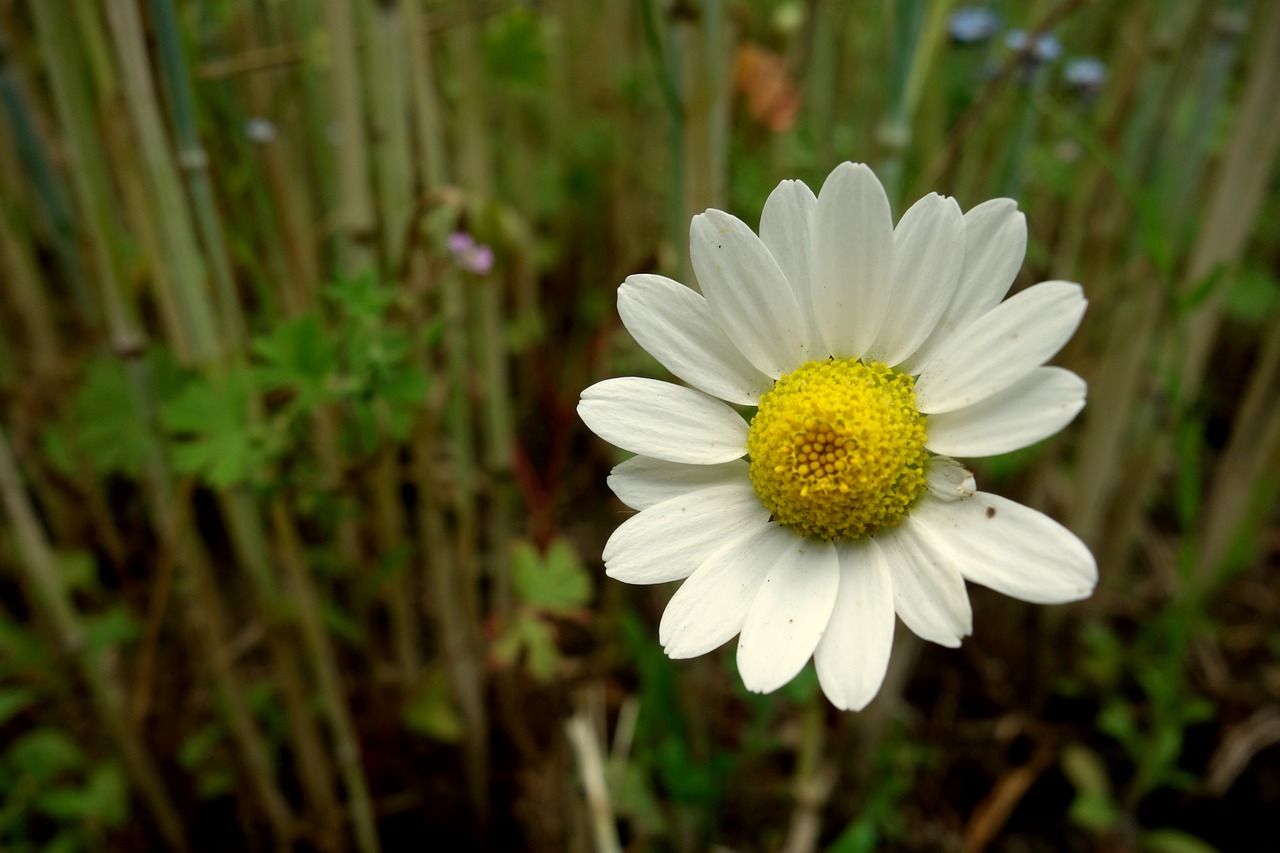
{"x":26,"y":298}
{"x":1243,"y":466}
{"x":461,"y":657}
{"x":1102,"y":445}
{"x":425,"y":97}
{"x":499,"y":430}
{"x":813,"y":780}
{"x":873,"y":721}
{"x":42,"y":574}
{"x":206,"y":610}
{"x":1238,"y":192}
{"x":208,"y":616}
{"x":180,"y":249}
{"x":388,"y":65}
{"x":706,"y":55}
{"x":332,"y":698}
{"x":355,"y":214}
{"x":314,"y":770}
{"x":590,"y":760}
{"x":390,"y":529}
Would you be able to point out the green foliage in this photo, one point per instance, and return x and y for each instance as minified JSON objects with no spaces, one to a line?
{"x":214,"y":436}
{"x":45,"y":776}
{"x":547,"y":585}
{"x":431,"y":711}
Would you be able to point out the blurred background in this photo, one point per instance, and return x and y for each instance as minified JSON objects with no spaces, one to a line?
{"x":301,"y":535}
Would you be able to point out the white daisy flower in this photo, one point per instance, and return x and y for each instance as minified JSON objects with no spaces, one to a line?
{"x":873,"y":355}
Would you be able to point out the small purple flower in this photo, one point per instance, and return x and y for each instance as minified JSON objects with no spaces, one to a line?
{"x":1047,"y":48}
{"x":1086,"y":74}
{"x":460,"y":242}
{"x":971,"y":24}
{"x":471,"y":256}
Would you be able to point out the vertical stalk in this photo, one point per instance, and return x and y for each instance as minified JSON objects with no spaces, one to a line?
{"x":248,"y":539}
{"x":355,"y":214}
{"x":55,"y":30}
{"x":180,"y":248}
{"x":108,"y":698}
{"x":396,"y":179}
{"x":195,"y":165}
{"x":332,"y":700}
{"x":34,"y":155}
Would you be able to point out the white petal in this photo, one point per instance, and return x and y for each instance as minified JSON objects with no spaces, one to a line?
{"x":928,"y":592}
{"x":1000,"y":347}
{"x":946,"y":478}
{"x":675,"y":326}
{"x":1011,"y":548}
{"x":852,"y":259}
{"x":995,"y":244}
{"x":785,"y":228}
{"x":928,"y":255}
{"x":1030,"y":409}
{"x":668,"y":541}
{"x":641,"y":482}
{"x":853,"y":654}
{"x":664,"y":421}
{"x":710,"y":607}
{"x":747,"y":292}
{"x":788,"y":615}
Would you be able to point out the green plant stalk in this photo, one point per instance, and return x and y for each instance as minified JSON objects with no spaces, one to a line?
{"x":34,"y":154}
{"x":55,"y":31}
{"x":181,"y":253}
{"x":333,"y":702}
{"x":42,"y":574}
{"x":706,"y":52}
{"x":400,"y":593}
{"x":207,"y":613}
{"x":1187,"y":163}
{"x":23,"y":284}
{"x":812,"y":782}
{"x":432,"y":154}
{"x":667,"y":67}
{"x":249,"y":541}
{"x":195,"y":167}
{"x":499,"y":431}
{"x":356,"y":211}
{"x":909,"y":58}
{"x":391,"y":147}
{"x":454,"y":578}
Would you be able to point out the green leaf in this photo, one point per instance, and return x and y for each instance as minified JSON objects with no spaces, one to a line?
{"x":44,"y":753}
{"x":1094,"y":812}
{"x":109,"y":432}
{"x":1173,"y":841}
{"x":210,"y":424}
{"x":555,"y":582}
{"x":110,"y":629}
{"x":1086,"y":770}
{"x":106,"y":794}
{"x":431,"y":711}
{"x":529,"y":639}
{"x":14,"y":701}
{"x":297,"y":354}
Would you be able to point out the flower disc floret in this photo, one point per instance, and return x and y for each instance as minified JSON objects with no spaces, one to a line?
{"x":837,"y":448}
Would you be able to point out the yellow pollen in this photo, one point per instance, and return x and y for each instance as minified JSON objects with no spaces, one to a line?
{"x":837,"y":448}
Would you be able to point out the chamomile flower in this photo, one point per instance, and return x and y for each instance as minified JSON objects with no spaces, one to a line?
{"x":872,"y":354}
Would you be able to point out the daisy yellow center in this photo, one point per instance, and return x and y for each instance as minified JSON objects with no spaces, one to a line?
{"x":837,"y":448}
